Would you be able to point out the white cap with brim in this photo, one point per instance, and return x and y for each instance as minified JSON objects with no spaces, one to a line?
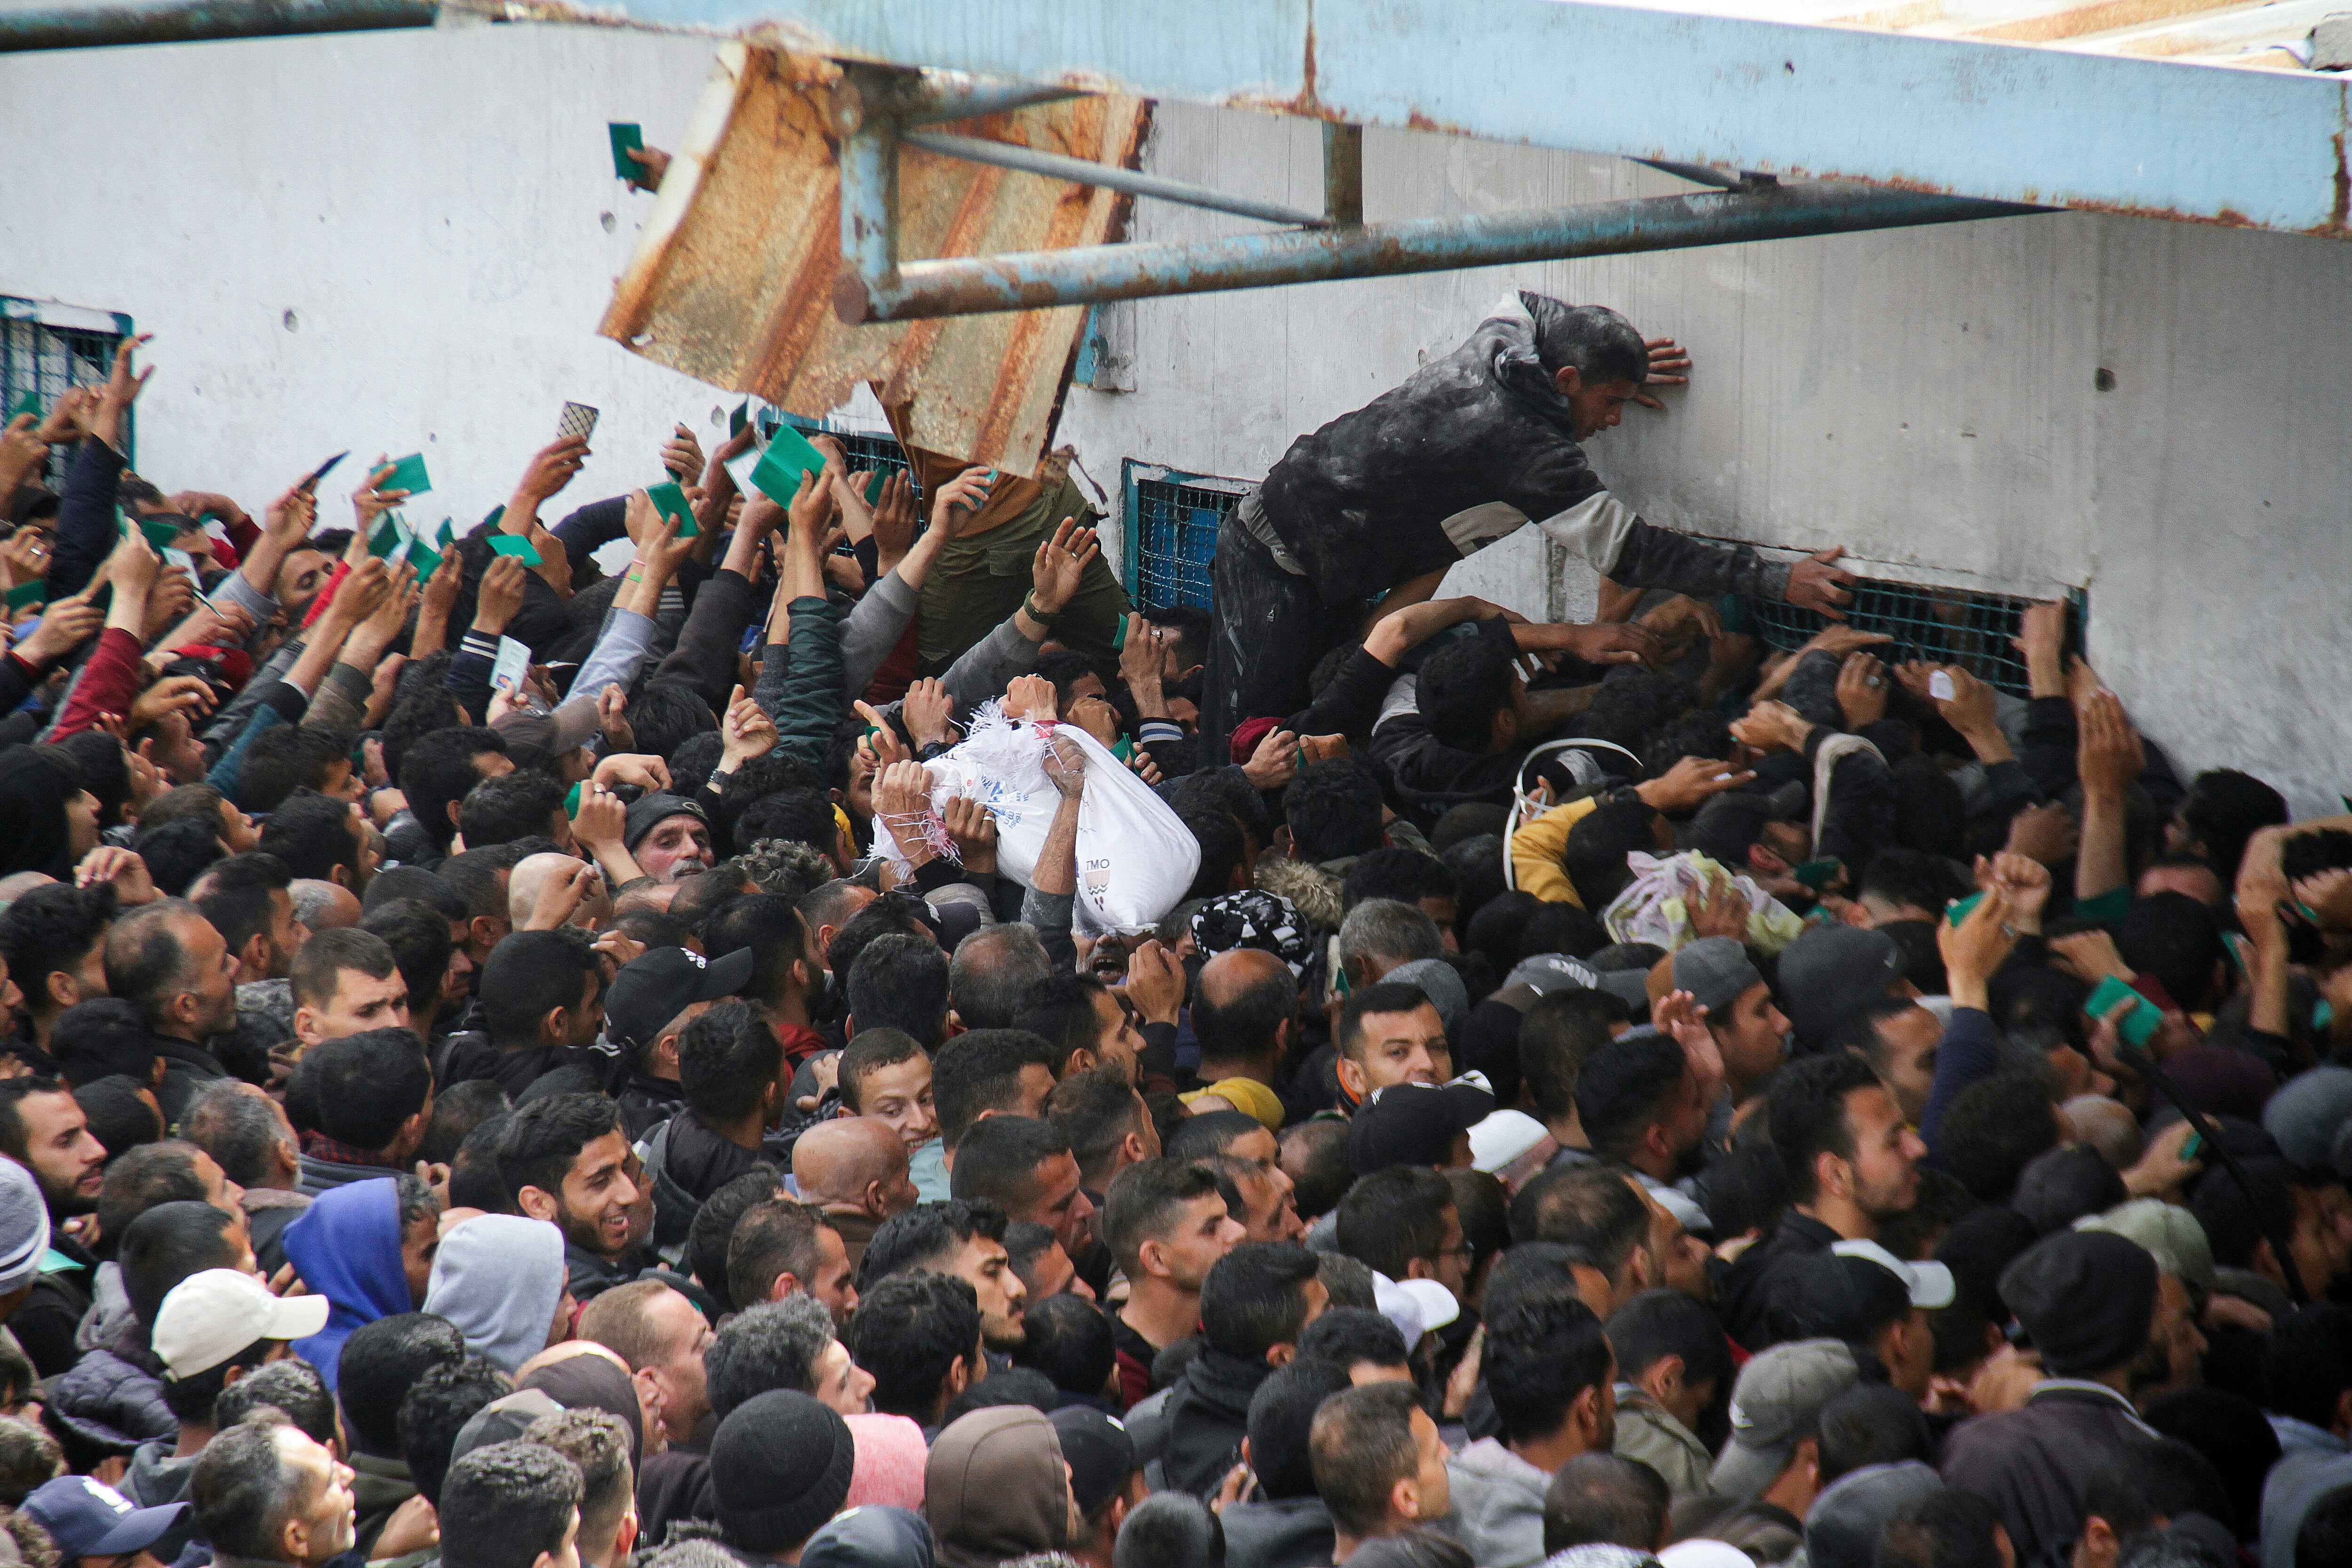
{"x":1502,"y":1137}
{"x":1930,"y":1284}
{"x":1414,"y":1306}
{"x":210,"y":1316}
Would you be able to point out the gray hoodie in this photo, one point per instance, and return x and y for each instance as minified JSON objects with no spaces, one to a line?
{"x":1498,"y":1498}
{"x":499,"y":1278}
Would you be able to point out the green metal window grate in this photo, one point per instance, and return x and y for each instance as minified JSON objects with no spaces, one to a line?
{"x":46,"y":348}
{"x":1941,"y":626}
{"x":1172,"y":532}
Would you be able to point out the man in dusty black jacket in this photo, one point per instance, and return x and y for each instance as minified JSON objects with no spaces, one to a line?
{"x":1257,"y":1300}
{"x":1471,"y":447}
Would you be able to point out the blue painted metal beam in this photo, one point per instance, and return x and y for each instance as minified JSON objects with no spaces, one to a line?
{"x":957,"y":286}
{"x":72,"y":27}
{"x":2002,"y":121}
{"x":1085,"y":172}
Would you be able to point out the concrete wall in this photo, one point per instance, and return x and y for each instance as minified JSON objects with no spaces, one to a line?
{"x":437,"y":211}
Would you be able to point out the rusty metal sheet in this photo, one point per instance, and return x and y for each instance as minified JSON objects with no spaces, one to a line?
{"x":733,"y":283}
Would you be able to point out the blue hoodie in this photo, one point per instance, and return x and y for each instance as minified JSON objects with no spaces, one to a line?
{"x":346,"y":1248}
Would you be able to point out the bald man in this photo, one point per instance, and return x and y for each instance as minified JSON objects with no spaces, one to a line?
{"x":854,"y":1170}
{"x":324,"y":906}
{"x":536,"y":877}
{"x":1247,"y":1016}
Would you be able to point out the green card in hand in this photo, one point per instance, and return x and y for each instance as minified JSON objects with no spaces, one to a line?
{"x":407,"y":474}
{"x":387,"y":539}
{"x":516,"y":546}
{"x":36,"y":591}
{"x":28,"y":404}
{"x":788,"y":457}
{"x":426,"y":559}
{"x":159,"y":534}
{"x":625,"y":140}
{"x":670,"y":502}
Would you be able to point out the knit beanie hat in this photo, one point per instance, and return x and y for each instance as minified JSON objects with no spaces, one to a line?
{"x":24,"y":1227}
{"x":780,"y":1468}
{"x":2087,"y":1298}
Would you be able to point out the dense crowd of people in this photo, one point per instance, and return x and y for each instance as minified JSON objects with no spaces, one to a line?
{"x":550,"y":1045}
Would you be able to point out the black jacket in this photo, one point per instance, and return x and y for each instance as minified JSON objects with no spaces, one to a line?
{"x":1208,"y":1417}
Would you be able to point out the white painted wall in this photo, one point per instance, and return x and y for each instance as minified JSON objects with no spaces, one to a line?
{"x":431,"y":207}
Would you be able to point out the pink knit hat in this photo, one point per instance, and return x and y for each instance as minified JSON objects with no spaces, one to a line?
{"x":890,"y":1458}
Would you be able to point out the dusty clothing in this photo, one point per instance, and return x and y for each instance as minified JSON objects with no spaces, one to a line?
{"x":1295,"y":1532}
{"x":995,"y":1487}
{"x":1645,"y":1431}
{"x":2030,"y":1463}
{"x":379,"y":1485}
{"x":1497,"y":1513}
{"x":1766,"y":1532}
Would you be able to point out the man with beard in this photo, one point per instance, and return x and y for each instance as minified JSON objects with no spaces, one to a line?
{"x":1472,"y":447}
{"x":1852,"y":1162}
{"x":42,"y":1128}
{"x":2091,"y":1303}
{"x":166,"y":960}
{"x":566,"y":1158}
{"x":1644,"y":1107}
{"x":965,"y":1239}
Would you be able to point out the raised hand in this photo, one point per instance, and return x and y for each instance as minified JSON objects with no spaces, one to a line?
{"x":682,"y":455}
{"x":1066,"y":764}
{"x":69,"y":418}
{"x":1155,"y":983}
{"x":500,"y":595}
{"x":1721,"y":910}
{"x":120,"y":869}
{"x":1274,"y":762}
{"x":1690,"y":783}
{"x":746,"y":733}
{"x":973,"y":828}
{"x":1060,"y":565}
{"x":894,"y":521}
{"x":123,"y":389}
{"x":1820,"y":585}
{"x":1861,"y":689}
{"x":368,"y":502}
{"x":929,"y":711}
{"x":290,"y":519}
{"x":552,"y":468}
{"x":964,"y":494}
{"x":1626,"y":644}
{"x":1771,"y":727}
{"x":22,"y":452}
{"x":174,"y":694}
{"x":2109,"y":755}
{"x":64,"y":626}
{"x":1096,"y":718}
{"x":1030,"y":698}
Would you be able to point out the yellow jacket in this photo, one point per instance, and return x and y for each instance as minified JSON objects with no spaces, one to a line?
{"x":1539,"y":848}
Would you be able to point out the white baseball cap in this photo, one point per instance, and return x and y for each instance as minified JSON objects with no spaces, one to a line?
{"x":1930,"y":1284}
{"x":1414,"y":1306}
{"x":211,"y":1316}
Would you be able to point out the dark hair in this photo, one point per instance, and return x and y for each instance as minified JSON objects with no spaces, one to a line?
{"x":1387,"y":997}
{"x":1946,"y":1528}
{"x":771,"y":926}
{"x":1822,"y":1296}
{"x":1870,"y":1424}
{"x":803,"y":814}
{"x":663,"y":715}
{"x":381,"y":1362}
{"x":141,"y":1178}
{"x":315,"y":834}
{"x":1324,"y":1175}
{"x":368,"y":1084}
{"x":1345,"y":1336}
{"x":1282,"y":1414}
{"x":712,"y":1234}
{"x":1360,"y":1446}
{"x":1396,"y":872}
{"x":527,"y":976}
{"x":177,"y":851}
{"x":474,"y":1181}
{"x":1991,"y":1131}
{"x":165,"y":1245}
{"x":100,"y":1038}
{"x":1333,"y":809}
{"x":901,"y":982}
{"x":1095,"y":1111}
{"x":475,"y":875}
{"x":1255,"y":1298}
{"x":1558,"y":1035}
{"x":1223,"y":849}
{"x":52,"y":928}
{"x":291,"y":1387}
{"x":241,"y":1491}
{"x":1605,"y":1500}
{"x":896,"y":913}
{"x":768,"y":1345}
{"x":2179,"y":940}
{"x":1594,"y":855}
{"x":1204,"y":1134}
{"x":992,"y":971}
{"x":2325,"y":1538}
{"x":288,"y":761}
{"x":1144,"y":1199}
{"x":505,"y":1504}
{"x":728,"y":1061}
{"x":1060,"y":1011}
{"x":144,"y":958}
{"x":121,"y":1117}
{"x":1658,"y":1324}
{"x":1392,"y":1216}
{"x":236,"y":896}
{"x":778,"y":1237}
{"x":317,"y":972}
{"x":1806,"y":1104}
{"x":909,"y":1331}
{"x":999,"y":1158}
{"x":519,"y":805}
{"x":2307,"y":1363}
{"x":190,"y":1398}
{"x":418,"y":935}
{"x":1588,"y":1208}
{"x":1625,"y":1088}
{"x":1169,"y":1529}
{"x":1464,"y":685}
{"x":456,"y":1111}
{"x":543,"y":1138}
{"x":2223,"y":810}
{"x":1246,"y":1027}
{"x":981,"y":1071}
{"x":926,"y":1234}
{"x":597,"y":1444}
{"x":1540,"y":1356}
{"x":14,"y":1139}
{"x":1069,"y":1340}
{"x":28,"y":1457}
{"x":434,"y":1409}
{"x":2237,"y":1219}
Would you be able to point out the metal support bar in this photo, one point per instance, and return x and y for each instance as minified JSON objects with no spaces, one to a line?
{"x":952,"y":95}
{"x":1088,"y":274}
{"x":1343,"y":175}
{"x":869,"y":202}
{"x":1085,"y":172}
{"x":71,"y":27}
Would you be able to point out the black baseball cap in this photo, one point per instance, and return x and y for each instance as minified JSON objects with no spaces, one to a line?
{"x":1414,"y":1124}
{"x":1101,"y":1455}
{"x":657,"y":987}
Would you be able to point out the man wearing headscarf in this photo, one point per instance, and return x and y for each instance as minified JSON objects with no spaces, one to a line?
{"x":1471,"y":447}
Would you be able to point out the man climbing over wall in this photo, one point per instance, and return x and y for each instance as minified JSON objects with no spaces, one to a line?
{"x":1470,"y":448}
